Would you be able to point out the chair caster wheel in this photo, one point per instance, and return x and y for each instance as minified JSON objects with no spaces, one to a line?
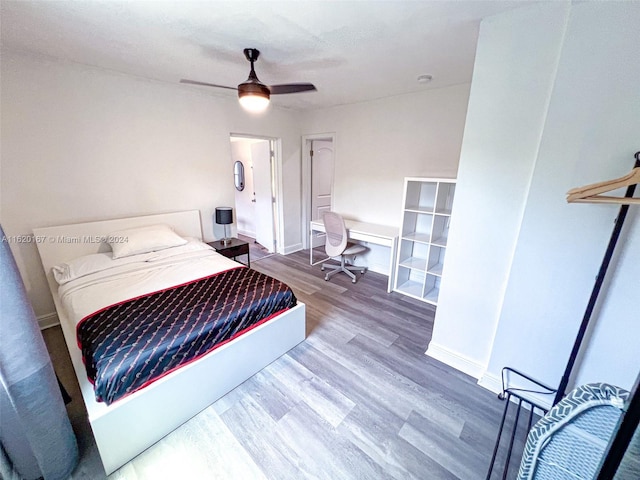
{"x":322,"y":268}
{"x":326,"y":278}
{"x":353,"y":281}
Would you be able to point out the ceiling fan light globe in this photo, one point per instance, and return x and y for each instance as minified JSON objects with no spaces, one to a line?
{"x":254,"y":103}
{"x":254,"y":96}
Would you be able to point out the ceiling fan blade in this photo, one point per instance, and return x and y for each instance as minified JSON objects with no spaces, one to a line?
{"x":291,"y":88}
{"x":204,"y":84}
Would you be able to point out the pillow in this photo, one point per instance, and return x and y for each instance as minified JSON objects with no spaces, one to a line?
{"x":142,"y":240}
{"x":97,"y":262}
{"x":81,"y":266}
{"x":192,"y":245}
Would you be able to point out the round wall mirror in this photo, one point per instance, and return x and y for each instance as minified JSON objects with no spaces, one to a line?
{"x":238,"y":175}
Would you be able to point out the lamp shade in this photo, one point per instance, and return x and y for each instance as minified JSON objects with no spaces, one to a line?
{"x":254,"y":103}
{"x":253,"y":95}
{"x":224,"y":215}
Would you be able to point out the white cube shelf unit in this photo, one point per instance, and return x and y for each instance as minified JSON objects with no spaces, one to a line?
{"x":426,"y":214}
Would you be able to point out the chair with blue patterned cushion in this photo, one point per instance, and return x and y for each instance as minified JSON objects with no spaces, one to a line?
{"x":570,"y":440}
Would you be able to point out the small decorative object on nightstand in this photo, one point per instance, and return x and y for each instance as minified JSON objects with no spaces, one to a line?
{"x":234,"y":248}
{"x":224,"y":216}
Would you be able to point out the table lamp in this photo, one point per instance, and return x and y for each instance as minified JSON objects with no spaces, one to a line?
{"x":224,"y":216}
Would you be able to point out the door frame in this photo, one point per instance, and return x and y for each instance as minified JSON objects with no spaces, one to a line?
{"x":306,"y":179}
{"x":276,"y":186}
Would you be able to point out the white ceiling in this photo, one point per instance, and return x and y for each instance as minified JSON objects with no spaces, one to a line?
{"x":352,"y":51}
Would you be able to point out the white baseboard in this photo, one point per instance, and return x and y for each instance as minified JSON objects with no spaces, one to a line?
{"x":48,"y":320}
{"x":491,"y":382}
{"x":292,"y":248}
{"x":455,"y":360}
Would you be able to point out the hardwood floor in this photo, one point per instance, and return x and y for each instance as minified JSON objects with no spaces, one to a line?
{"x":256,"y":250}
{"x":358,"y":399}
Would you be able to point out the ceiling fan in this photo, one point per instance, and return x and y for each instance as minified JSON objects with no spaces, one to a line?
{"x":253,"y":94}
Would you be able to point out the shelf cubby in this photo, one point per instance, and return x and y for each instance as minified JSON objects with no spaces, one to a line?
{"x":421,"y":196}
{"x":440,"y":231}
{"x":410,"y":281}
{"x":444,"y":198}
{"x":417,"y":225}
{"x":435,"y":262}
{"x":413,"y":255}
{"x":431,"y":289}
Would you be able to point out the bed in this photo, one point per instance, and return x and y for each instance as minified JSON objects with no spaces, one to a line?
{"x":125,"y":426}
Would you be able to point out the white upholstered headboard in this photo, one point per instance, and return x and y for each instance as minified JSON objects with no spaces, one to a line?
{"x":66,"y":242}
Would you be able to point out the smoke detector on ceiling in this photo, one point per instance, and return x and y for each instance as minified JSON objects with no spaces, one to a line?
{"x":424,"y":78}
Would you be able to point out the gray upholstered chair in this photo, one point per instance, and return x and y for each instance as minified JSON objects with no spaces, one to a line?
{"x":336,"y":245}
{"x":569,"y":441}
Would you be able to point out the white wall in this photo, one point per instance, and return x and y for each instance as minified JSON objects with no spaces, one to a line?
{"x":589,"y":132}
{"x":378,"y":143}
{"x":592,"y":131}
{"x":510,"y":91}
{"x":82,"y":144}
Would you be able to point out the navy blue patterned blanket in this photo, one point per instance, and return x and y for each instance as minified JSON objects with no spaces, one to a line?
{"x":131,"y":344}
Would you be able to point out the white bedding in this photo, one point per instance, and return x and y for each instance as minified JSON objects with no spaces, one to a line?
{"x":131,"y":277}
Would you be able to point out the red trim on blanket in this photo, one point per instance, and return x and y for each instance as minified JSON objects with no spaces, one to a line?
{"x":215,"y":347}
{"x":146,"y":295}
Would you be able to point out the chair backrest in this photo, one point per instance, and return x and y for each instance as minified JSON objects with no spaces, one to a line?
{"x":569,"y":441}
{"x":336,"y":241}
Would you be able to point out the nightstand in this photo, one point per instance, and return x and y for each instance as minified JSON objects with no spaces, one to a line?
{"x":233,"y":249}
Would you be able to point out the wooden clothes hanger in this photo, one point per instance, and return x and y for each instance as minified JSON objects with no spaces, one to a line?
{"x":592,"y":193}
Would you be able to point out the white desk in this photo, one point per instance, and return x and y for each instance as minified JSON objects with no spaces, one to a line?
{"x":366,"y":232}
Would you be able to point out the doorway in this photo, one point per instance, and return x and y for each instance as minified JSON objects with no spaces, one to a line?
{"x":257,"y":205}
{"x":318,"y":165}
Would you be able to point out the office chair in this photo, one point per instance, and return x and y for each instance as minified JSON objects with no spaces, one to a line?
{"x":336,"y":245}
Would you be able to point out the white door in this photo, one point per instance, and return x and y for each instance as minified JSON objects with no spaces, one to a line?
{"x":321,"y":177}
{"x":245,"y":200}
{"x":262,"y":184}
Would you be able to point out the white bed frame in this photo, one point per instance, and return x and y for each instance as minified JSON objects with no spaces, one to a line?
{"x":129,"y":426}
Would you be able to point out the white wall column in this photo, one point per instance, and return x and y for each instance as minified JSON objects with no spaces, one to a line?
{"x":515,"y":66}
{"x":554,"y":105}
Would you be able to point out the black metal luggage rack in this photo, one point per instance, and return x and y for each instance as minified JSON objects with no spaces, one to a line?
{"x":519,"y":393}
